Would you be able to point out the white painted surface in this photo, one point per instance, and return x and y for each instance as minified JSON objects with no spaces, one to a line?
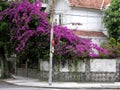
{"x":91,"y":19}
{"x":44,"y":66}
{"x":80,"y":67}
{"x":103,"y":65}
{"x":62,"y":6}
{"x":96,"y":65}
{"x":98,"y":40}
{"x":64,"y":69}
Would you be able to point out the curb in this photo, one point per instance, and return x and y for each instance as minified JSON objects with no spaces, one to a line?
{"x":112,"y":86}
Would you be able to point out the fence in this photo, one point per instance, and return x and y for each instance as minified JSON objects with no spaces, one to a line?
{"x":80,"y":76}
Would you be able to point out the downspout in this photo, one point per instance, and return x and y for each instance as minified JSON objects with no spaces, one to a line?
{"x":102,"y":4}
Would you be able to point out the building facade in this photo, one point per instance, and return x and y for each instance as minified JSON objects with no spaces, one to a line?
{"x":84,"y":17}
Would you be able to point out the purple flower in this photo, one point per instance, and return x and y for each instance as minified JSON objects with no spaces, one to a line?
{"x":29,"y":28}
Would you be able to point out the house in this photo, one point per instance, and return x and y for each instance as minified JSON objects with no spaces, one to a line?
{"x":84,"y":17}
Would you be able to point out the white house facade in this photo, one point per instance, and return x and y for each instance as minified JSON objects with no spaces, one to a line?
{"x":89,"y":18}
{"x":82,"y":16}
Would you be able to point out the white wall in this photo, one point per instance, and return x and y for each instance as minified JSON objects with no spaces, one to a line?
{"x":90,"y":19}
{"x":80,"y":67}
{"x":62,"y":7}
{"x":99,"y":65}
{"x":96,"y":40}
{"x":96,"y":65}
{"x":44,"y":66}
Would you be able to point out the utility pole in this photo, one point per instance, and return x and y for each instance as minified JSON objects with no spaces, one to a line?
{"x":51,"y":44}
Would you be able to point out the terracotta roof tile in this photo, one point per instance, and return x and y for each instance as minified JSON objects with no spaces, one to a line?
{"x":94,"y":4}
{"x":89,"y":33}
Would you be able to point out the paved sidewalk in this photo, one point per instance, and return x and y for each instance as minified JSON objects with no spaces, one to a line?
{"x":66,"y":85}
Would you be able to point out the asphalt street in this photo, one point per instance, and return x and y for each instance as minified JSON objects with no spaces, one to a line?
{"x":6,"y":86}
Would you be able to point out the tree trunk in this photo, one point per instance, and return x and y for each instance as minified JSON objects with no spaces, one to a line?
{"x":4,"y":64}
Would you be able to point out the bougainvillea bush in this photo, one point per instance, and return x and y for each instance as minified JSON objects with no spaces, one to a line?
{"x":30,"y":34}
{"x":28,"y":25}
{"x":71,"y":46}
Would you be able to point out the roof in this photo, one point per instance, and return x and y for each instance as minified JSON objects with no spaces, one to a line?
{"x":93,"y":4}
{"x":89,"y":33}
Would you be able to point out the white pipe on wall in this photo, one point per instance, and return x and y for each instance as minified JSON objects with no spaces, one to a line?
{"x":102,"y":4}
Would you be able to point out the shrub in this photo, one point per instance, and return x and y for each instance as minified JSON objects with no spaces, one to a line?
{"x":113,"y":48}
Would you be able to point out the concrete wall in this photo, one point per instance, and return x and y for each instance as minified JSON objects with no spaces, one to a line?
{"x":97,"y":70}
{"x":44,"y":66}
{"x":96,"y":65}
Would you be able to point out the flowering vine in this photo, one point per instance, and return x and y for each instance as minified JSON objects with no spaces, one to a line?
{"x":30,"y":32}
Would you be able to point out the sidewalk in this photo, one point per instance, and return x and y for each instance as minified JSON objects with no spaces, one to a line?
{"x":66,"y":85}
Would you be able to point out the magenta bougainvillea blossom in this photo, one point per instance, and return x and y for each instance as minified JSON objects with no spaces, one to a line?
{"x":25,"y":20}
{"x":71,"y":46}
{"x":30,"y":28}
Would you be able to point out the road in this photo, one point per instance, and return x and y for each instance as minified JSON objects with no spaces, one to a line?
{"x":6,"y":86}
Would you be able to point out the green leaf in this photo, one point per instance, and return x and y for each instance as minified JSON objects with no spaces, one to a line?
{"x":2,"y":44}
{"x":111,"y":19}
{"x":0,"y":8}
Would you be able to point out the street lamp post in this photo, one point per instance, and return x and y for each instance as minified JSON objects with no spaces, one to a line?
{"x":51,"y":44}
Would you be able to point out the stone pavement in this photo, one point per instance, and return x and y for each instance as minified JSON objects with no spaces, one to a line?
{"x":61,"y":85}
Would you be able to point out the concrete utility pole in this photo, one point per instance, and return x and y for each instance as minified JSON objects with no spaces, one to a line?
{"x":51,"y":44}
